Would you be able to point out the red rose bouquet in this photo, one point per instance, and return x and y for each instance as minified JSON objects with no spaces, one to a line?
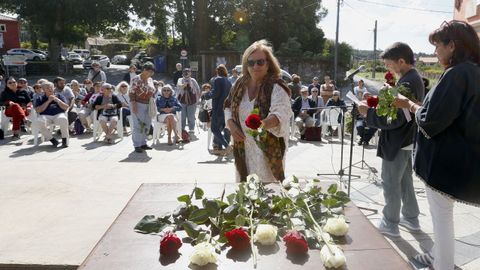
{"x":238,"y":239}
{"x":255,"y":127}
{"x":295,"y":242}
{"x":170,"y":244}
{"x":372,"y":101}
{"x":390,"y":79}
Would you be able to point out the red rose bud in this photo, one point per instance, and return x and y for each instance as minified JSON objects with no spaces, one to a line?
{"x":295,"y":242}
{"x":372,"y":101}
{"x":253,"y":121}
{"x":170,"y":244}
{"x":238,"y":239}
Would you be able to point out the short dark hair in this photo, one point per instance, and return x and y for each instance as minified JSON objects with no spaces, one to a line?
{"x":57,"y":79}
{"x":148,"y":66}
{"x":464,"y":37}
{"x":222,"y":70}
{"x":399,"y":50}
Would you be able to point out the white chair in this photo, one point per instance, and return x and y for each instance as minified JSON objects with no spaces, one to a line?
{"x":97,"y":128}
{"x":4,"y":120}
{"x":36,"y":128}
{"x":293,"y":128}
{"x":329,"y":117}
{"x":159,"y":128}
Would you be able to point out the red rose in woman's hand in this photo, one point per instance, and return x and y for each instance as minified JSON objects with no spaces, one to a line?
{"x":170,"y":244}
{"x":295,"y":242}
{"x":372,"y":101}
{"x":253,"y":121}
{"x":238,"y":239}
{"x":390,"y":78}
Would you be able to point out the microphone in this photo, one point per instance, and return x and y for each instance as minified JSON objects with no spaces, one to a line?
{"x":359,"y":69}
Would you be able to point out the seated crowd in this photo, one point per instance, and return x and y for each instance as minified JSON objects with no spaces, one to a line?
{"x":71,"y":107}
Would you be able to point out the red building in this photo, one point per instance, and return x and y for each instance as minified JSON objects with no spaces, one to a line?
{"x":9,"y":33}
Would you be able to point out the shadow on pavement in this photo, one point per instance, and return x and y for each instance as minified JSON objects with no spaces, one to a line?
{"x":137,"y":157}
{"x":34,"y":149}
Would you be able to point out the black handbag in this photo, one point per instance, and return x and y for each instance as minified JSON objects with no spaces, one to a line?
{"x":204,"y":115}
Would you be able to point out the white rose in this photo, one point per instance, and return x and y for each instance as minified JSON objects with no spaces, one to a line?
{"x":266,"y":234}
{"x":203,"y":254}
{"x":254,"y":177}
{"x":333,"y":259}
{"x":336,"y":226}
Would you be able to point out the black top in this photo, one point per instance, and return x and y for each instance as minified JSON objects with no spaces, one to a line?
{"x":399,"y":133}
{"x":297,"y":106}
{"x":20,"y":97}
{"x":218,"y":94}
{"x":448,"y":145}
{"x":176,"y":75}
{"x":115,"y":100}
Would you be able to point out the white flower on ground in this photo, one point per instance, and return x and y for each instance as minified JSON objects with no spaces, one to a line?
{"x":254,"y":177}
{"x":203,"y":254}
{"x":336,"y":226}
{"x":333,"y":259}
{"x":266,"y":234}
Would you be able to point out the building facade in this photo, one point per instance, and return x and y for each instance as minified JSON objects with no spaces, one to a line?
{"x":9,"y":33}
{"x":469,"y":11}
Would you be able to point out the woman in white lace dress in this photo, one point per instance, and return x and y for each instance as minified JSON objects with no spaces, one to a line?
{"x":259,"y":87}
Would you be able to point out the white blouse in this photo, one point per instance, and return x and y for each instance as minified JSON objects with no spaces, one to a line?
{"x":281,"y":108}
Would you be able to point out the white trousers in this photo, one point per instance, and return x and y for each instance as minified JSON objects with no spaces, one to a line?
{"x":44,"y":121}
{"x":441,"y":209}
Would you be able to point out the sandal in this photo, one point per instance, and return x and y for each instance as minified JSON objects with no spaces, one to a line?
{"x":424,"y":258}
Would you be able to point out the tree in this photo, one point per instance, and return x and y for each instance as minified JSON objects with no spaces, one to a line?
{"x":136,"y":35}
{"x":70,"y":21}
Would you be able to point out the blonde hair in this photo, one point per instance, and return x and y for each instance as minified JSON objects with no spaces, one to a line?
{"x":264,"y":46}
{"x":117,"y":88}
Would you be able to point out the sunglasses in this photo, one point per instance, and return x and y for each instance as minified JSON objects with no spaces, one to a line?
{"x":259,"y":62}
{"x":166,"y":90}
{"x":123,"y":86}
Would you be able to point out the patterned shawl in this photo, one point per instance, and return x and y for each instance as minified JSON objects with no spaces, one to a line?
{"x":275,"y":146}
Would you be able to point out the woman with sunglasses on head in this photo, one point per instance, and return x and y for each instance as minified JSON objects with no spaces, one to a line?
{"x":262,"y":88}
{"x":121,"y":91}
{"x":17,"y":103}
{"x":448,"y":142}
{"x":167,"y":106}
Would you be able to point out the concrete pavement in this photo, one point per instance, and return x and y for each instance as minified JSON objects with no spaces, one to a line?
{"x":57,"y":203}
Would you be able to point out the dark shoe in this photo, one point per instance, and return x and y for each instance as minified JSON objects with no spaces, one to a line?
{"x":366,"y":143}
{"x":54,"y":142}
{"x":360,"y":142}
{"x":59,"y":132}
{"x":146,"y":147}
{"x":139,"y":150}
{"x":23,"y":129}
{"x":64,"y":143}
{"x":15,"y":137}
{"x":302,"y":137}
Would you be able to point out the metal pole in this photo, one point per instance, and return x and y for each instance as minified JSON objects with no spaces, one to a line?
{"x":374,"y":50}
{"x":335,"y":61}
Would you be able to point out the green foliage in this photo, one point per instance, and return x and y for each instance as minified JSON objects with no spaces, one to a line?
{"x":291,"y":47}
{"x":136,"y":35}
{"x":385,"y":98}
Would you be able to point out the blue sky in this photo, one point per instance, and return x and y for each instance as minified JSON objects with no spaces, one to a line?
{"x":357,"y":20}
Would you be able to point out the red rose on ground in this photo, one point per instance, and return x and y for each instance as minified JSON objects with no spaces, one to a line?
{"x":238,"y":239}
{"x":372,"y":101}
{"x":170,"y":244}
{"x":295,"y":242}
{"x":253,"y":121}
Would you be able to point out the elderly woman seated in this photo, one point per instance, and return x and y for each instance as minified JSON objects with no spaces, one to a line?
{"x":108,"y":106}
{"x":87,"y":103}
{"x":167,"y":106}
{"x":51,"y":107}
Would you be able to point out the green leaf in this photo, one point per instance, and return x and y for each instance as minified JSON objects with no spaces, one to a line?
{"x":212,"y":207}
{"x":191,"y":229}
{"x":202,"y":236}
{"x":198,"y":193}
{"x":185,"y":198}
{"x":295,"y":179}
{"x":231,"y":198}
{"x":151,"y":224}
{"x":230,"y":212}
{"x":330,"y":202}
{"x":180,"y":210}
{"x":332,"y":189}
{"x":240,"y":220}
{"x":316,"y":180}
{"x":199,"y":216}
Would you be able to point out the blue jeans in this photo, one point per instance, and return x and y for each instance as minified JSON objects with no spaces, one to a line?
{"x":141,"y":125}
{"x":398,"y":188}
{"x":188,"y":112}
{"x":217,"y":127}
